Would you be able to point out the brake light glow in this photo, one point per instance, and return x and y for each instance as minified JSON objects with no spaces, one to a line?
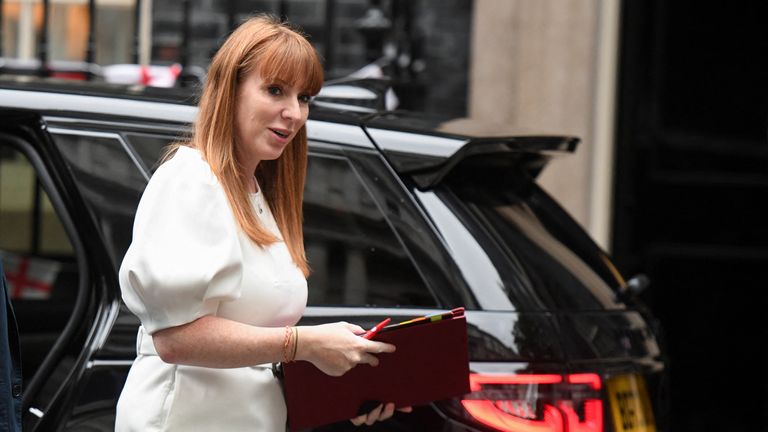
{"x":476,"y":381}
{"x":586,"y":378}
{"x":536,"y":402}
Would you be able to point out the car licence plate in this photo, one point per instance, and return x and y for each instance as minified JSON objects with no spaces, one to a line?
{"x":630,"y":406}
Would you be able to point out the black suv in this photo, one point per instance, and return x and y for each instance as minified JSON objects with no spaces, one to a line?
{"x":403,"y":218}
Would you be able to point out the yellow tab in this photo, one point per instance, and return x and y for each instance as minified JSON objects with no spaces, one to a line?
{"x":630,"y":406}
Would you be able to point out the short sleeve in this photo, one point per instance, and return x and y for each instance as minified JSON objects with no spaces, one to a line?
{"x":185,"y":256}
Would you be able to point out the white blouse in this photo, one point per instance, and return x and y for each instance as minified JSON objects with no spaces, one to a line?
{"x":188,"y":259}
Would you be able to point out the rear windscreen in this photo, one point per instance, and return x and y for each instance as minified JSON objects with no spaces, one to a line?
{"x":544,"y":259}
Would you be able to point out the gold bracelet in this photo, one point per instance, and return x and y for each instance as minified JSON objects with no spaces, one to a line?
{"x":295,"y":343}
{"x":286,"y":343}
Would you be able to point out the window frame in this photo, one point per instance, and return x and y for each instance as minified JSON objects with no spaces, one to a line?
{"x":55,"y":130}
{"x":79,"y":311}
{"x":341,"y":152}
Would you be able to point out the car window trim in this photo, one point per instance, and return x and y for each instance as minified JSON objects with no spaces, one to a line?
{"x":128,"y":149}
{"x":342,"y":134}
{"x":339,"y":151}
{"x":114,"y":125}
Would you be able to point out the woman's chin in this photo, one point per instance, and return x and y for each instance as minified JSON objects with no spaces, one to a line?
{"x":274,"y":153}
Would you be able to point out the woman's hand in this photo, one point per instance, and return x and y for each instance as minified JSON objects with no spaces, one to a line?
{"x":380,"y":413}
{"x":336,"y":348}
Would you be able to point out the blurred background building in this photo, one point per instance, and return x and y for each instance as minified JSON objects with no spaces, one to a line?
{"x":672,"y":111}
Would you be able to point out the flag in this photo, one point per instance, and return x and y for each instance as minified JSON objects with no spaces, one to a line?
{"x":29,"y":277}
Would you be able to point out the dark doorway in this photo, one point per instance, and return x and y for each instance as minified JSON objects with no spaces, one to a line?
{"x":691,"y":193}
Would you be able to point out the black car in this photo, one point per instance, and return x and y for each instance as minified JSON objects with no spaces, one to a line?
{"x":402,"y":218}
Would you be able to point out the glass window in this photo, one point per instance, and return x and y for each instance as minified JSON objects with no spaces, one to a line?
{"x":545,"y":261}
{"x":40,"y":266}
{"x":17,"y":179}
{"x":34,"y":247}
{"x":150,"y":148}
{"x":110,"y":182}
{"x":355,"y":257}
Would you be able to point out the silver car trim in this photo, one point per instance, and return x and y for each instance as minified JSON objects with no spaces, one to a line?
{"x":407,"y":142}
{"x":351,"y":135}
{"x":48,"y":101}
{"x":129,"y":150}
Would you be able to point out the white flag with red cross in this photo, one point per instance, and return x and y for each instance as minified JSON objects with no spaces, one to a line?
{"x":29,"y":278}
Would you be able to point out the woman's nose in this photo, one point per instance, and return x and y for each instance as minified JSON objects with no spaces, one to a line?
{"x":292,"y":110}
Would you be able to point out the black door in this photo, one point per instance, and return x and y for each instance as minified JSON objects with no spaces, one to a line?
{"x":692,"y":182}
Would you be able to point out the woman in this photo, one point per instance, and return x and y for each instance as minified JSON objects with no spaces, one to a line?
{"x":216,"y":270}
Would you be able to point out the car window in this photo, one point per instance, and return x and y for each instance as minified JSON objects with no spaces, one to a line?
{"x":110,"y":181}
{"x":40,"y":264}
{"x":355,"y":257}
{"x":149,"y":148}
{"x":538,"y":265}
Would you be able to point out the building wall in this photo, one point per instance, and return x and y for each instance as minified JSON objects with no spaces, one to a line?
{"x":68,"y":28}
{"x":534,"y":69}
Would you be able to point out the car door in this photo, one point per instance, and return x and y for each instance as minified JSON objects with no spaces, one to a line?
{"x":110,"y":161}
{"x":373,"y":254}
{"x":53,"y":278}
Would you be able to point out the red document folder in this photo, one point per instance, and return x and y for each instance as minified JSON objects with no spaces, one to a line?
{"x":430,"y":364}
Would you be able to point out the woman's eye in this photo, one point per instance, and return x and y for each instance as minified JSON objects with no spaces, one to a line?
{"x":305,"y":99}
{"x":274,"y":90}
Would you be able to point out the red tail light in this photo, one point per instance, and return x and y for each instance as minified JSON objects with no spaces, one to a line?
{"x":536,"y":403}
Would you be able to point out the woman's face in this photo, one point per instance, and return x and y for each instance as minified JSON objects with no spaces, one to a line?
{"x":267,"y":117}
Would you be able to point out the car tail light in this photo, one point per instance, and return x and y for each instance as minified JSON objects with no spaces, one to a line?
{"x":536,"y":402}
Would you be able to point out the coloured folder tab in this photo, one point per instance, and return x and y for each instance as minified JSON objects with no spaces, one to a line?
{"x":430,"y":364}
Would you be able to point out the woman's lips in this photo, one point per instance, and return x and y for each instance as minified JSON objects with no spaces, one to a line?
{"x":282,"y":133}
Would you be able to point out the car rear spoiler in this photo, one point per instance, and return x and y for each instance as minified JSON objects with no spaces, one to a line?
{"x":530,"y":153}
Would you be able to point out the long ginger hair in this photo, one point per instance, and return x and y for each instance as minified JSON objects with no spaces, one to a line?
{"x":276,"y":51}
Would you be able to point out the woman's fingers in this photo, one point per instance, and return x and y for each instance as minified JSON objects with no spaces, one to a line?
{"x":387,"y":412}
{"x":357,"y":421}
{"x":373,"y":416}
{"x":380,"y":347}
{"x":370,"y":359}
{"x":356,"y":329}
{"x":369,"y":355}
{"x":380,"y":413}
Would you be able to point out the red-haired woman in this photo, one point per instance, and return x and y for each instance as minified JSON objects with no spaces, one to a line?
{"x":216,"y":270}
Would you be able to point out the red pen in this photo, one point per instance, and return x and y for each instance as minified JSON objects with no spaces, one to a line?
{"x":375,"y":329}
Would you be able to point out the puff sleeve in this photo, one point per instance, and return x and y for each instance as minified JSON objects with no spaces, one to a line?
{"x":185,"y":256}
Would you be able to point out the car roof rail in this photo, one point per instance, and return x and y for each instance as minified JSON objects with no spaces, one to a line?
{"x":529,"y":153}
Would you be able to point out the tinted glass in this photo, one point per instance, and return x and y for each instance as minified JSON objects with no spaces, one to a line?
{"x":17,"y":200}
{"x":110,"y":182}
{"x":532,"y":243}
{"x":356,"y":258}
{"x":33,"y":244}
{"x":40,"y":266}
{"x":149,"y":148}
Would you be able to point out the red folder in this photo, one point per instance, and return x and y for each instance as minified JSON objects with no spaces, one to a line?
{"x":430,"y":364}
